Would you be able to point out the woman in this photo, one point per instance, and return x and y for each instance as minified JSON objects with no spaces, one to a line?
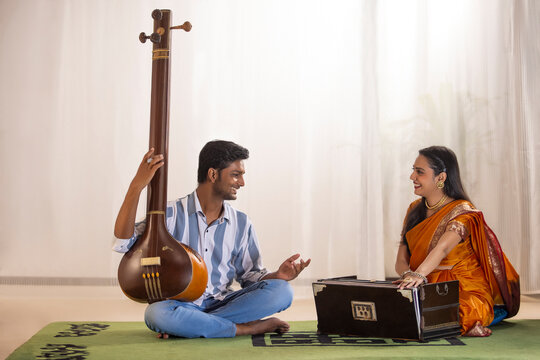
{"x":446,"y":238}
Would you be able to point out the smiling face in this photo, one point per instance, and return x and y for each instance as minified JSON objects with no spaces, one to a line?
{"x":424,"y":178}
{"x":229,"y":180}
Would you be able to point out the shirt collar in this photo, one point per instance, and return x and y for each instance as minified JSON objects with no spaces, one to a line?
{"x":194,"y":206}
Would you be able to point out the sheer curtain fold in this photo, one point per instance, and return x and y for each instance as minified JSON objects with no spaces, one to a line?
{"x":333,"y":100}
{"x":524,"y":66}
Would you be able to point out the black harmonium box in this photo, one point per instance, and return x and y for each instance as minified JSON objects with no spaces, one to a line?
{"x":348,"y":306}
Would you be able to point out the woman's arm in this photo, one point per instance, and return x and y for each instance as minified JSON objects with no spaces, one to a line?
{"x":402,"y":259}
{"x":447,"y":242}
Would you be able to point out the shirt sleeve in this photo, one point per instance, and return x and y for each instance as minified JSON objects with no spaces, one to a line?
{"x":249,"y":267}
{"x":123,"y":245}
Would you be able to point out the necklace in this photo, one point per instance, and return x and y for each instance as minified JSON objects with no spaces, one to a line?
{"x":437,"y":205}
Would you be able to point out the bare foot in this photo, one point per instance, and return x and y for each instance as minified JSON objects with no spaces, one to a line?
{"x":478,"y":330}
{"x":262,"y":326}
{"x":162,"y":335}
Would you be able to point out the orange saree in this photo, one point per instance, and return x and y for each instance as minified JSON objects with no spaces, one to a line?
{"x":486,"y":277}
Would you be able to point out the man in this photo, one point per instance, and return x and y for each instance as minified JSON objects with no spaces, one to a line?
{"x":226,"y":240}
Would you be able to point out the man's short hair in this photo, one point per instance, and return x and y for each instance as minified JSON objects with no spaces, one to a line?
{"x":219,"y":154}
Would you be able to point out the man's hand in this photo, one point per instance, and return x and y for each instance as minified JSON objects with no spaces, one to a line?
{"x":148,"y":167}
{"x":289,"y":270}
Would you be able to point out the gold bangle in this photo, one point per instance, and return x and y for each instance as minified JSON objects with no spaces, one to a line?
{"x":424,"y":279}
{"x":405,"y":273}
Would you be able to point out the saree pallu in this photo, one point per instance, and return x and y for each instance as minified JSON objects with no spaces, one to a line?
{"x":486,"y":277}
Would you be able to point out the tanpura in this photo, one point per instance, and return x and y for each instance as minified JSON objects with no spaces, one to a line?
{"x":158,"y":267}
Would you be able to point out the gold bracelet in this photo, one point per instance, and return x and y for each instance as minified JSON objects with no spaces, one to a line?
{"x":406,"y":272}
{"x":424,"y":279}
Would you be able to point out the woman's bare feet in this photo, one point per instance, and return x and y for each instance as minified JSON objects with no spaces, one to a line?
{"x":262,"y":326}
{"x":162,"y":335}
{"x":478,"y":330}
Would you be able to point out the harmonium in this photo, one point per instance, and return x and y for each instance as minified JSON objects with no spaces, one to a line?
{"x":366,"y":308}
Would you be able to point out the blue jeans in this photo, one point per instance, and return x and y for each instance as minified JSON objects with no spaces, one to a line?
{"x":218,"y":318}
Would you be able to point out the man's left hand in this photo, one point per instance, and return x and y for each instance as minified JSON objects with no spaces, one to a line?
{"x":290,"y":269}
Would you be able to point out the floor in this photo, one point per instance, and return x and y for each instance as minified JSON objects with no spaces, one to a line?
{"x":26,"y":309}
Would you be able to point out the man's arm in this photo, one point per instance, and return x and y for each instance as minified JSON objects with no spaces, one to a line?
{"x":250,"y":263}
{"x":125,"y":221}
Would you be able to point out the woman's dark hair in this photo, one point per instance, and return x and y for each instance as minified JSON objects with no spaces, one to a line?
{"x":219,"y":154}
{"x":440,"y":159}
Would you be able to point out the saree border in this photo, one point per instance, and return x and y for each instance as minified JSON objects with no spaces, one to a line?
{"x":460,"y":209}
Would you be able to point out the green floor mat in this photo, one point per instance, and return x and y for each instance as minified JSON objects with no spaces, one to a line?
{"x":517,"y":339}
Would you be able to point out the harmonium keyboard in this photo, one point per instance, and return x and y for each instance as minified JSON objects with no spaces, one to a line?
{"x":366,"y":308}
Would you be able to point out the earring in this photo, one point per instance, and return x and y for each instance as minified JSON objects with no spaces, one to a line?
{"x":440,"y":184}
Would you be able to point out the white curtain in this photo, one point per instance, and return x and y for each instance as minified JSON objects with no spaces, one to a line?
{"x":333,"y":100}
{"x":465,"y":74}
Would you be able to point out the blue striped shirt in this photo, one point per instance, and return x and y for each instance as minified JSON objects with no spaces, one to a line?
{"x":228,"y":246}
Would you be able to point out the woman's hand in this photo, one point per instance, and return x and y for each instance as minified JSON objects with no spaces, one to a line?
{"x":410,"y":280}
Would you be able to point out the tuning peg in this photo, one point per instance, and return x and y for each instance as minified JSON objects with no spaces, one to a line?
{"x":154,"y":37}
{"x":157,"y":14}
{"x":185,"y":26}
